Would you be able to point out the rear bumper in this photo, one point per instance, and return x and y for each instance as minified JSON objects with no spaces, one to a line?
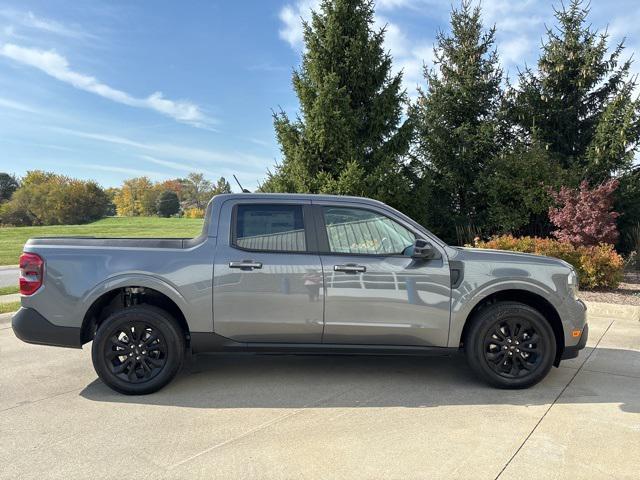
{"x":31,"y":327}
{"x":572,"y":351}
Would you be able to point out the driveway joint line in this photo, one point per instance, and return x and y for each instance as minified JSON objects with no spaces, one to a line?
{"x":554,"y":402}
{"x":262,"y":426}
{"x":614,"y":374}
{"x":25,"y":404}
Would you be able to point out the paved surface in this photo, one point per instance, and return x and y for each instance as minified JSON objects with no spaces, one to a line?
{"x":14,"y":297}
{"x":9,"y":276}
{"x":323,"y":417}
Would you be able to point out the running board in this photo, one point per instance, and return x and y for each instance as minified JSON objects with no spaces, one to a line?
{"x":213,"y":343}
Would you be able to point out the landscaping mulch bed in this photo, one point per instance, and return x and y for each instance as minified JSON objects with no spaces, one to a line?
{"x":627,"y":293}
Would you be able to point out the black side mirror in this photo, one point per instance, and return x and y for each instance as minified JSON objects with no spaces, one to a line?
{"x":424,"y":250}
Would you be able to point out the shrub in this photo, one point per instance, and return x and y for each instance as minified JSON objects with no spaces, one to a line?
{"x":194,"y":212}
{"x":584,"y":216}
{"x":598,"y":266}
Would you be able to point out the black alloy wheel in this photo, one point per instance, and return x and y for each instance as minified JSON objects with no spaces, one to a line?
{"x":510,"y":345}
{"x":512,"y":348}
{"x":138,"y":350}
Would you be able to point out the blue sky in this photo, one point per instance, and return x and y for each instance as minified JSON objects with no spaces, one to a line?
{"x":111,"y":90}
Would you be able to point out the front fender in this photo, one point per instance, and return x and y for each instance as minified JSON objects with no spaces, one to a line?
{"x":467,"y":297}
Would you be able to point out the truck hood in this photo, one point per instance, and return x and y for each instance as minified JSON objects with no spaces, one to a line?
{"x":503,"y":256}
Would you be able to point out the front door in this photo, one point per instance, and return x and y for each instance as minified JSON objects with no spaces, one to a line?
{"x":375,"y":292}
{"x":267,"y":287}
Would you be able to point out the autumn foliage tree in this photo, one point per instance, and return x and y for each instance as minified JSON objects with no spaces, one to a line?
{"x":585,"y":216}
{"x":46,"y":198}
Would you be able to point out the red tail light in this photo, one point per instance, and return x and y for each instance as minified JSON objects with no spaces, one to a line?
{"x":31,"y":273}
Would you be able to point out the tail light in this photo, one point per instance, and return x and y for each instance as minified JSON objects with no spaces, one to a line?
{"x":31,"y":273}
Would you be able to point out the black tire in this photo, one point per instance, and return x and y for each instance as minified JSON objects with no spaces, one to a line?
{"x":510,"y":345}
{"x":138,"y":350}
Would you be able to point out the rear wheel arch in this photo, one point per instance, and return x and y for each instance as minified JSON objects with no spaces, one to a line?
{"x":124,"y":297}
{"x":533,"y":300}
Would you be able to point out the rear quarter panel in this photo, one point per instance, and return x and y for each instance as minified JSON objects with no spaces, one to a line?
{"x":75,"y":276}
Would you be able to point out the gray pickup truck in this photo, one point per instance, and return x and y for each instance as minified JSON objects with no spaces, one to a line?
{"x":277,"y":273}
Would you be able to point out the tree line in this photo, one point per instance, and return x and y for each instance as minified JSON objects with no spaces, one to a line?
{"x":475,"y":154}
{"x":46,"y":198}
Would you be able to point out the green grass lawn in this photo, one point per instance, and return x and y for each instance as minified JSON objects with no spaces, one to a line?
{"x":9,"y":307}
{"x":9,"y":290}
{"x":12,"y":239}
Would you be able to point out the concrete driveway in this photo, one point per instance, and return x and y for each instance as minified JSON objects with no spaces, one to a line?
{"x":318,"y":417}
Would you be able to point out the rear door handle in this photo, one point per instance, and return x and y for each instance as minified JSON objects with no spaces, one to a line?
{"x":350,"y":268}
{"x":245,"y":265}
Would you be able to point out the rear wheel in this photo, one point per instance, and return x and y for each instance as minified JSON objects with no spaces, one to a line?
{"x":510,"y":345}
{"x":138,"y":350}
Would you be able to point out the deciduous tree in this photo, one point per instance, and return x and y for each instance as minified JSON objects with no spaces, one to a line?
{"x":584,"y":216}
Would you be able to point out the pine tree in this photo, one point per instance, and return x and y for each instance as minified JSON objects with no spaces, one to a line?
{"x":457,"y":122}
{"x":350,"y":137}
{"x":168,"y":203}
{"x":579,"y":103}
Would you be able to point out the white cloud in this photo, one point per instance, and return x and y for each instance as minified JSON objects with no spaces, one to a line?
{"x":407,"y":56}
{"x":31,"y":21}
{"x":392,"y":4}
{"x":292,"y":16}
{"x":22,"y":107}
{"x":182,"y":167}
{"x":240,"y":160}
{"x":57,"y":66}
{"x":129,"y":171}
{"x":514,"y":50}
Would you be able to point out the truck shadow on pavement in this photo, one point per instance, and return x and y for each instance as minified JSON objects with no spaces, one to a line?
{"x":306,"y":381}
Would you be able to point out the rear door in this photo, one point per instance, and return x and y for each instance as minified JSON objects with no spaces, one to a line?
{"x":267,"y":284}
{"x":375,"y":293}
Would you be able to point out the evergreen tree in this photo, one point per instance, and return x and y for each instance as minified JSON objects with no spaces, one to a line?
{"x":579,"y":104}
{"x":457,"y":123}
{"x":8,"y":185}
{"x":350,"y":137}
{"x":221,"y":186}
{"x":168,"y":203}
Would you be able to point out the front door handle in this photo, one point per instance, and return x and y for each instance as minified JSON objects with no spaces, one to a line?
{"x":245,"y":265}
{"x":350,"y":268}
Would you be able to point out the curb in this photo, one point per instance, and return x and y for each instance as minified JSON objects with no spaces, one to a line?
{"x":620,"y":312}
{"x":9,"y":267}
{"x":6,"y":317}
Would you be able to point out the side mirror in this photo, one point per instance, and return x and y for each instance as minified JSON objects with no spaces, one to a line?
{"x":424,"y":250}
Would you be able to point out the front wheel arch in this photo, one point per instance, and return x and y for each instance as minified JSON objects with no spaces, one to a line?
{"x":533,"y":300}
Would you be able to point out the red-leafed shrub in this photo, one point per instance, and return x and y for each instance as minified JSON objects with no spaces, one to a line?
{"x":584,"y":216}
{"x":598,"y":266}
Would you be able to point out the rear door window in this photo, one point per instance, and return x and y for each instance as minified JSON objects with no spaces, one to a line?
{"x":273,"y":228}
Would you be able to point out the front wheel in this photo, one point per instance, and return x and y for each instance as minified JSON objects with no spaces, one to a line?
{"x":510,"y":345}
{"x":138,"y":350}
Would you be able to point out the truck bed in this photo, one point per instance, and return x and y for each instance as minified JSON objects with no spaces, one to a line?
{"x":87,"y":241}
